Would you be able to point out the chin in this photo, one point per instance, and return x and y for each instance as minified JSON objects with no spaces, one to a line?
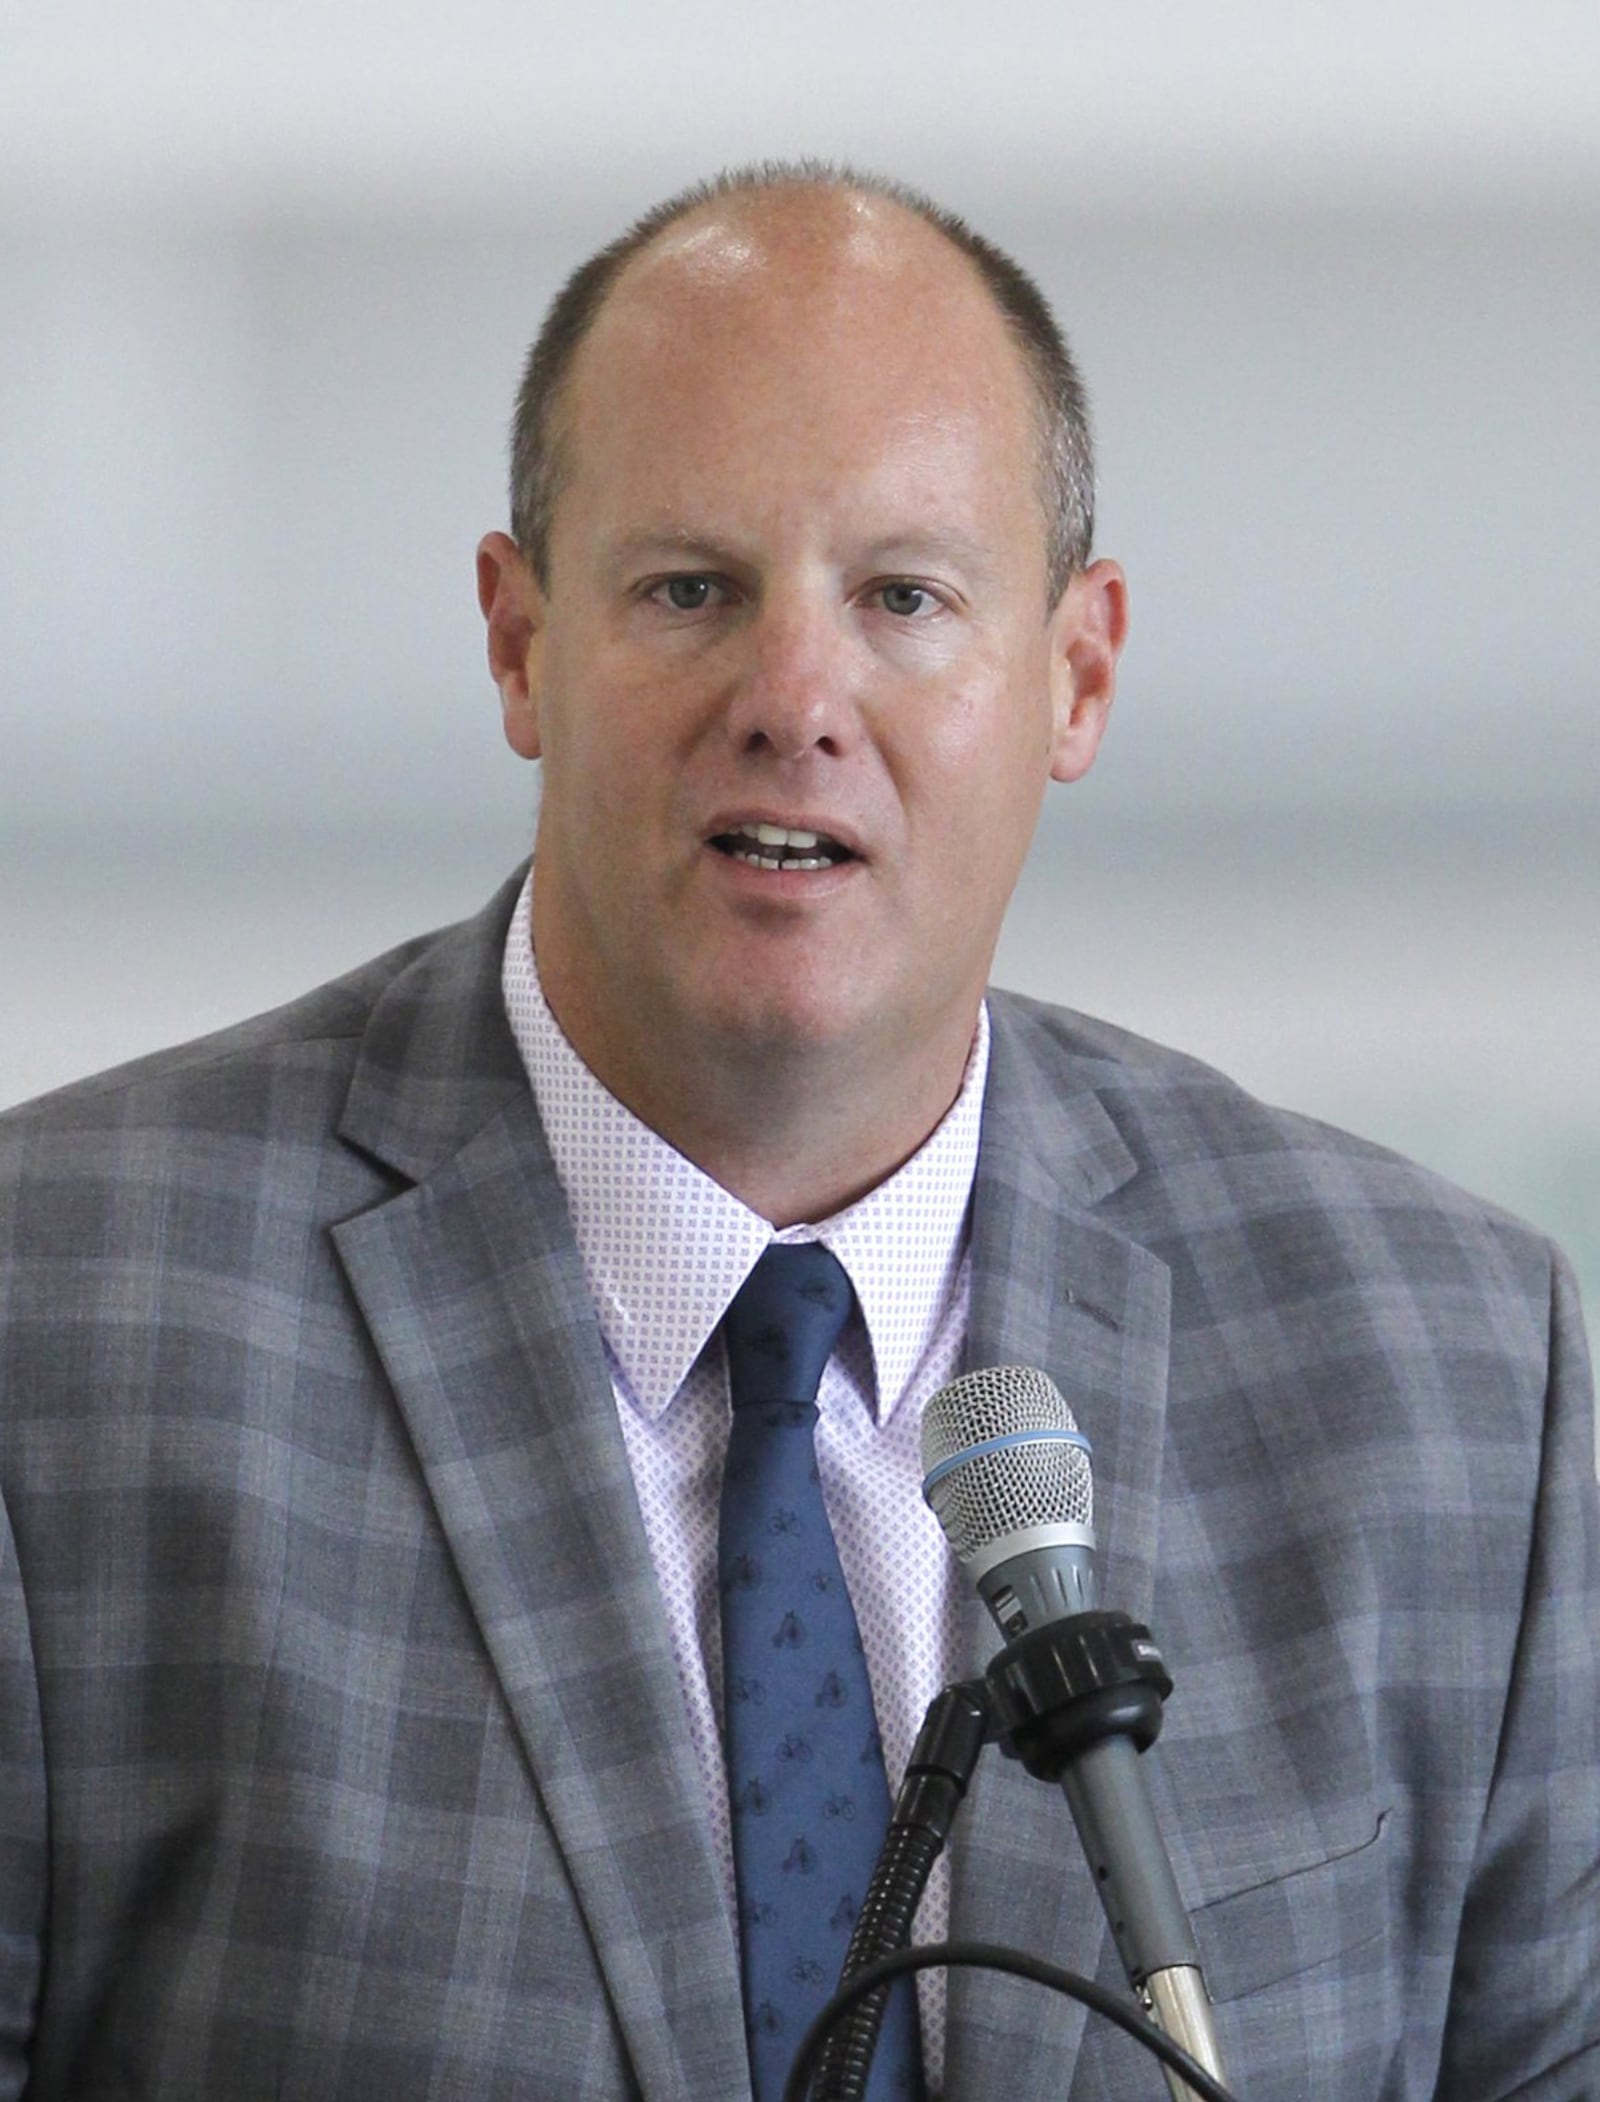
{"x":782,"y":1022}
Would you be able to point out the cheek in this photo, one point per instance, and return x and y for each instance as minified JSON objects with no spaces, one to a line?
{"x":580,"y":779}
{"x":615,"y":780}
{"x":582,"y":719}
{"x":626,"y":697}
{"x":989,"y":749}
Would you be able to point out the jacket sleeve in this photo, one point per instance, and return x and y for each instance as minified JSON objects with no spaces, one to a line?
{"x":22,"y":1824}
{"x":1524,"y":2016}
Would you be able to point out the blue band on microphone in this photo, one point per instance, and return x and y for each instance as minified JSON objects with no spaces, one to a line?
{"x":1004,"y":1444}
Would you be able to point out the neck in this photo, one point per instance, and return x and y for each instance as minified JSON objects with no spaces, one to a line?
{"x":799,"y":1153}
{"x":794,"y":1132}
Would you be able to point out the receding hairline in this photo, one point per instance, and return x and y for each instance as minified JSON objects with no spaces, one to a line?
{"x":829,"y":204}
{"x":679,"y":274}
{"x":541,"y":447}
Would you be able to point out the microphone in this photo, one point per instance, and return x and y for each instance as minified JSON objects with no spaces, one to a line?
{"x":1077,"y":1691}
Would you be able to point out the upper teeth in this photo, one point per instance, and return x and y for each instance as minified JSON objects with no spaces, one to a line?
{"x":779,"y":836}
{"x":782,"y":847}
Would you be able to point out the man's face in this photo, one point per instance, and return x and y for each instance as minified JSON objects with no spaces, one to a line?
{"x":795,"y":683}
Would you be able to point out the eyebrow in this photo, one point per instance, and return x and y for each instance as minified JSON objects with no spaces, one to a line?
{"x":908,"y":550}
{"x":935,"y":546}
{"x":647,"y":542}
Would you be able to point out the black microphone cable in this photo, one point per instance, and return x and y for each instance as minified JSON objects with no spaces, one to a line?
{"x":982,"y":1955}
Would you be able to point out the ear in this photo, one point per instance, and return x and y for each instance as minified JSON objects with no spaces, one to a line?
{"x":513,"y":607}
{"x":1087,"y":631}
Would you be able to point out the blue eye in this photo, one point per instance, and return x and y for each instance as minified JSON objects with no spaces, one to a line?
{"x":688,"y":594}
{"x":904,"y":599}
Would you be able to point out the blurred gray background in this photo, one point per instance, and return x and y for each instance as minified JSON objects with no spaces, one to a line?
{"x":266,"y":276}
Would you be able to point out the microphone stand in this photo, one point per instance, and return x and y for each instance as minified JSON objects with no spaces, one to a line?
{"x":954,"y":1731}
{"x":1076,"y":1700}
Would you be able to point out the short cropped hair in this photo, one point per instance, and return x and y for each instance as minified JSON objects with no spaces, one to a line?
{"x":539,"y":461}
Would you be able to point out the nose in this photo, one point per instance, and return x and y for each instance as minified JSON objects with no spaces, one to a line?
{"x":796,"y":691}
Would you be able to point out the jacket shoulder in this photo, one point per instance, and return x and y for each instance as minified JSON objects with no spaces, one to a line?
{"x":293,"y":1064}
{"x":315,"y":1033}
{"x":1200,"y":1141}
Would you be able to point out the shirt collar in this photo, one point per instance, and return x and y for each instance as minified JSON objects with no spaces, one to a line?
{"x":664,"y":1247}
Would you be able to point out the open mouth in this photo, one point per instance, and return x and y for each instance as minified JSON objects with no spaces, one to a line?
{"x":782,"y":847}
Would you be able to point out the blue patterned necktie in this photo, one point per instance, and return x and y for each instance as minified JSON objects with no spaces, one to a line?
{"x":805,"y":1768}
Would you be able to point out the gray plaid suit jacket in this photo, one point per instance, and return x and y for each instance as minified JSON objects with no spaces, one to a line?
{"x":341,"y":1750}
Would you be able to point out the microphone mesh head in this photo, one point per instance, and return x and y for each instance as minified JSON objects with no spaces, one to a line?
{"x":995,"y":1493}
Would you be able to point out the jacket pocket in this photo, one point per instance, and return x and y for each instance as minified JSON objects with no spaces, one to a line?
{"x":1271,"y":1931}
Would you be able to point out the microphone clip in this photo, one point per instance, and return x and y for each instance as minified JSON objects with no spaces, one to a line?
{"x":1071,"y":1684}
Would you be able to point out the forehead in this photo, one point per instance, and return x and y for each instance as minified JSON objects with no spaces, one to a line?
{"x":816,"y":328}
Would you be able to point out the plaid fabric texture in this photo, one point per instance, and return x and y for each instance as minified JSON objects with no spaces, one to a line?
{"x":342,"y":1752}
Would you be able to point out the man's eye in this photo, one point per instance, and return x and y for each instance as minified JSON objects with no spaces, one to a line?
{"x":687,"y":594}
{"x":905,"y":600}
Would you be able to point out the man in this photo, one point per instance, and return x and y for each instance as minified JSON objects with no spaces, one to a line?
{"x":363,"y":1401}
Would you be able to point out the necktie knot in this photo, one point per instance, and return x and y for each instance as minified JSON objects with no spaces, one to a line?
{"x":783,"y":1323}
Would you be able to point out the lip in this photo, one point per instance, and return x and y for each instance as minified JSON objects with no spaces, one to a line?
{"x":784,"y":888}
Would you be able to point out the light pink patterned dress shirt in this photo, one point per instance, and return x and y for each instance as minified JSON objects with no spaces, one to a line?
{"x":664,"y":1249}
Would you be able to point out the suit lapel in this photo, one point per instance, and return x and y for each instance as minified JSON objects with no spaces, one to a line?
{"x":1053,"y":1287}
{"x":471,"y":1286}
